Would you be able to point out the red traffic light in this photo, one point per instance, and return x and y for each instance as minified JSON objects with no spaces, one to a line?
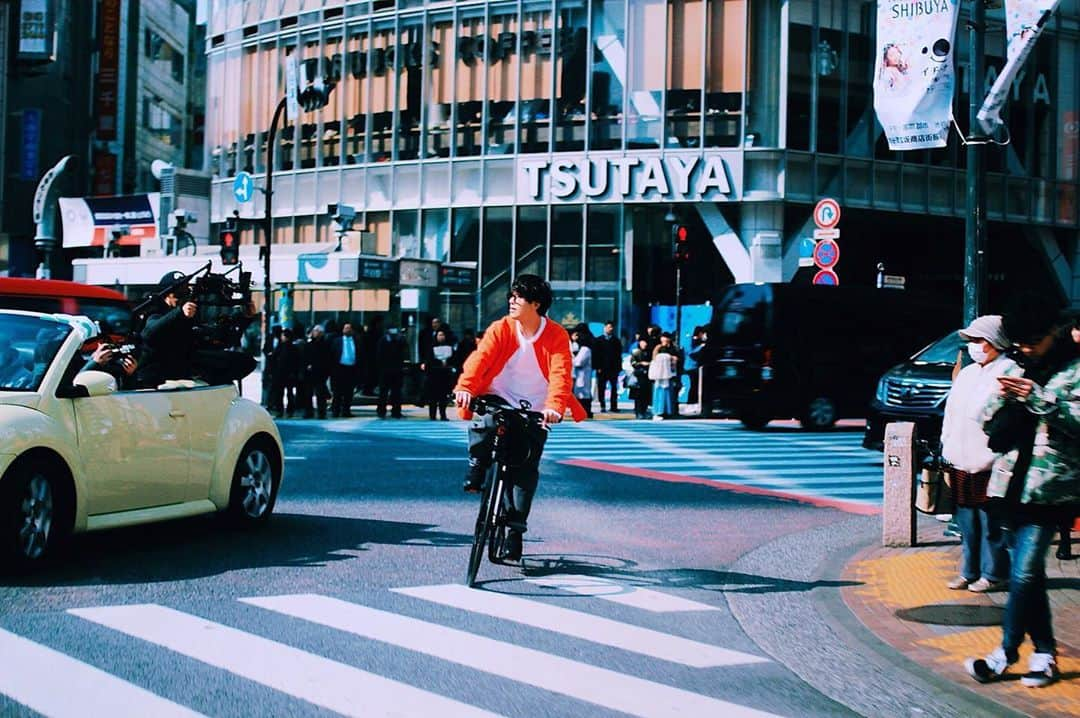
{"x":230,"y":249}
{"x":681,"y":235}
{"x":228,"y":239}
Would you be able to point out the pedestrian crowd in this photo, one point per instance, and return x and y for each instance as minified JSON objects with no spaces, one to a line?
{"x":323,"y":368}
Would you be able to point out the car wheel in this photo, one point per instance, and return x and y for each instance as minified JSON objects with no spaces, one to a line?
{"x":255,"y":483}
{"x":32,"y":521}
{"x":820,"y":414}
{"x":755,"y":422}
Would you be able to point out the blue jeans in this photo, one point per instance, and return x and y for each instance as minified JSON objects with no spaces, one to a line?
{"x":662,"y":404}
{"x":1028,"y":608}
{"x":985,"y":553}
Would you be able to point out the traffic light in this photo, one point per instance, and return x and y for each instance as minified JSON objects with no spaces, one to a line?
{"x":230,"y":244}
{"x":316,"y":95}
{"x":680,"y":243}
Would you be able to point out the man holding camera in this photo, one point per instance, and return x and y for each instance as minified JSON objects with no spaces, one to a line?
{"x":169,"y":334}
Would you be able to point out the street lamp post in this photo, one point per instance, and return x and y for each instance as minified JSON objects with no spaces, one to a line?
{"x":975,"y":215}
{"x":268,"y":232}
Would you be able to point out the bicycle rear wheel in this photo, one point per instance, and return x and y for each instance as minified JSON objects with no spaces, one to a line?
{"x":484,"y":520}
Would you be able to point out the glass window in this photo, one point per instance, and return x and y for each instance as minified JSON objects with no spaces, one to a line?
{"x":530,"y":247}
{"x":383,"y":91}
{"x":406,"y":233}
{"x":799,"y":87}
{"x":572,"y":53}
{"x":465,"y":243}
{"x":355,"y":96}
{"x":495,"y":265}
{"x":725,"y":72}
{"x":436,"y":234}
{"x":441,"y":61}
{"x":566,"y":244}
{"x":602,"y":239}
{"x":502,"y":79}
{"x":686,"y":70}
{"x":409,"y":57}
{"x":534,"y":109}
{"x":645,"y":70}
{"x":608,"y":74}
{"x":469,"y":91}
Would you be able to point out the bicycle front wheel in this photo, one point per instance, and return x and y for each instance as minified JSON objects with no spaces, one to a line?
{"x":484,"y":521}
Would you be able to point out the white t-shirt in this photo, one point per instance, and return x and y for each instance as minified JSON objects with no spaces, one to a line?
{"x":521,"y":378}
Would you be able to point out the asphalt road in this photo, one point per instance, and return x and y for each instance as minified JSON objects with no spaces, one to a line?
{"x":631,"y":598}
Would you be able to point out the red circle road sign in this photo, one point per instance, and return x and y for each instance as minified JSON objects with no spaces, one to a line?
{"x":827,"y":213}
{"x":827,"y":277}
{"x":826,"y":253}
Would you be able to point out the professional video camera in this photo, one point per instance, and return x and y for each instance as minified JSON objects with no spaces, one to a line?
{"x":224,"y":303}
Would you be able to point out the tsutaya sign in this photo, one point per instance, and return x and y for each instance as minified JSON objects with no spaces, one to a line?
{"x":675,"y":176}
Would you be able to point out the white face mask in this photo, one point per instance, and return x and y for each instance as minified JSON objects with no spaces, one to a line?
{"x":574,"y":347}
{"x":977,"y":353}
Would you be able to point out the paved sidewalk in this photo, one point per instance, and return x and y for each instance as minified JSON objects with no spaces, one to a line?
{"x":899,"y":588}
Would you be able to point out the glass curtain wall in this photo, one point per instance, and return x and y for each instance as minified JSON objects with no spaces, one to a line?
{"x":608,"y":78}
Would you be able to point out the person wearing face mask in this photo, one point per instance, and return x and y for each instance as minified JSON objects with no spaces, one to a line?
{"x":984,"y":563}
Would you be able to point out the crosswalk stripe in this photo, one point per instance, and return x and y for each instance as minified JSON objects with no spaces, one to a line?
{"x":321,"y":681}
{"x":582,"y":625}
{"x":643,"y":598}
{"x":599,"y":686}
{"x":54,"y":684}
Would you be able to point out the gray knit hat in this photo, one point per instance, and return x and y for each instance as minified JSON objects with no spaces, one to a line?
{"x":987,"y":327}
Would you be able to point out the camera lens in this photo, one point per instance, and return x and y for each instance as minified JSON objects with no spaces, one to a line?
{"x":941,"y":48}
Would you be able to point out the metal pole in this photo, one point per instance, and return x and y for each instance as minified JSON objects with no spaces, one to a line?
{"x":975,"y":216}
{"x":678,"y":305}
{"x":268,"y":232}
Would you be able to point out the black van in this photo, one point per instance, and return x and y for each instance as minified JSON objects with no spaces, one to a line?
{"x":915,"y":391}
{"x":777,"y":351}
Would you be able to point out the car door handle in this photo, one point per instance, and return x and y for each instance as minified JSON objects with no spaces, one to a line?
{"x":176,"y":414}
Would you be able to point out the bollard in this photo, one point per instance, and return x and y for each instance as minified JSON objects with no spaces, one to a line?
{"x":898,"y":511}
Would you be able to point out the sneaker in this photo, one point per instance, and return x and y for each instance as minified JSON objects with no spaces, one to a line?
{"x":983,"y":585}
{"x":512,"y":547}
{"x":658,"y":417}
{"x":474,"y":478}
{"x":1042,"y":671}
{"x":989,"y":669}
{"x":959,"y":583}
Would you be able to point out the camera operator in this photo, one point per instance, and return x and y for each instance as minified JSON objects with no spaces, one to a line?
{"x":112,"y":360}
{"x":169,"y":334}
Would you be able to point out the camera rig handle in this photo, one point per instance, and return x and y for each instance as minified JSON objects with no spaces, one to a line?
{"x":159,"y":295}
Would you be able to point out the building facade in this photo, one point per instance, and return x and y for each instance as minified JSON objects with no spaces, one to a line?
{"x":566,"y":137}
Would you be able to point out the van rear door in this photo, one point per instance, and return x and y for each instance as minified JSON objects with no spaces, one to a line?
{"x":739,"y":336}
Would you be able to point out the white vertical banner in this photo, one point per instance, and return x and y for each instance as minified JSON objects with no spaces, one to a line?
{"x":914,"y":75}
{"x":1024,"y":22}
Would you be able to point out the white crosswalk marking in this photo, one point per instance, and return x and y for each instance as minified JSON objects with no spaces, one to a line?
{"x":643,"y":598}
{"x":823,"y":467}
{"x":582,"y":625}
{"x":582,"y":681}
{"x":321,"y":681}
{"x":54,"y":684}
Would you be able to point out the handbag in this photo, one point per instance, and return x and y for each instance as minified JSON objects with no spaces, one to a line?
{"x":933,"y":493}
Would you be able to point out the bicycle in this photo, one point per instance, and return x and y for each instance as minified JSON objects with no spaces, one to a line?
{"x":495,"y":500}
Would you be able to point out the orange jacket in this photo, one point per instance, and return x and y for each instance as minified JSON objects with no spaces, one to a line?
{"x":552,"y":354}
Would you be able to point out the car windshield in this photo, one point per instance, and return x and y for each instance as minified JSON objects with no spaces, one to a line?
{"x":943,"y":351}
{"x":28,"y":346}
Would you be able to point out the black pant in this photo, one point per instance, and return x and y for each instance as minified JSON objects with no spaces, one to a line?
{"x":342,"y":386}
{"x":390,"y":388}
{"x":523,"y":477}
{"x":642,"y":397}
{"x":313,"y":386}
{"x":602,"y":382}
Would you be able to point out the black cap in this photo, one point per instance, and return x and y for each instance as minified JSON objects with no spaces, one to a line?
{"x":170,"y":279}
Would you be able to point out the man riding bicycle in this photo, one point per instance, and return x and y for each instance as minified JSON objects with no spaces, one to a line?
{"x":522,"y":357}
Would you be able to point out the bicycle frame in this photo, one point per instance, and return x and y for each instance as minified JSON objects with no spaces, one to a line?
{"x":491,"y":521}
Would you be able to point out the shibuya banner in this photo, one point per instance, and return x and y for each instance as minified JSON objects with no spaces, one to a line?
{"x":914,"y":76}
{"x":1024,"y":22}
{"x":673,"y":177}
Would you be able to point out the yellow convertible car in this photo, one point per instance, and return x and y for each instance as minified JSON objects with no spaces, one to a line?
{"x":78,"y":453}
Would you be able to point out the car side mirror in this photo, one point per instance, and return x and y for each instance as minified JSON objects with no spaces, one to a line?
{"x":96,"y":383}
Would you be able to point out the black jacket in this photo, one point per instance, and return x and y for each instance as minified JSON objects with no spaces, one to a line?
{"x":607,"y":355}
{"x":168,"y":342}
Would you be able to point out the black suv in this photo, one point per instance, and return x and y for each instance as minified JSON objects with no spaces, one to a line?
{"x":915,"y":391}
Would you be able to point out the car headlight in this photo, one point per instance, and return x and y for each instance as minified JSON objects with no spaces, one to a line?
{"x":881,"y":392}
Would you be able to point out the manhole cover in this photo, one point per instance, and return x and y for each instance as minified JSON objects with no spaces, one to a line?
{"x":948,"y":614}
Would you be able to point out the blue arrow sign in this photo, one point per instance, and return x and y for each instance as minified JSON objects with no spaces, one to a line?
{"x":243,"y":187}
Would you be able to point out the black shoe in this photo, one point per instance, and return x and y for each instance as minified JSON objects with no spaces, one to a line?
{"x":512,"y":548}
{"x":474,"y":478}
{"x":1064,"y":553}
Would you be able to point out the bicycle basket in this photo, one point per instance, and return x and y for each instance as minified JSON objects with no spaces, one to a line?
{"x":516,"y":447}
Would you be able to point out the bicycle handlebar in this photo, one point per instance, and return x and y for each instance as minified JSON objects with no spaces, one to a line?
{"x":481,"y":405}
